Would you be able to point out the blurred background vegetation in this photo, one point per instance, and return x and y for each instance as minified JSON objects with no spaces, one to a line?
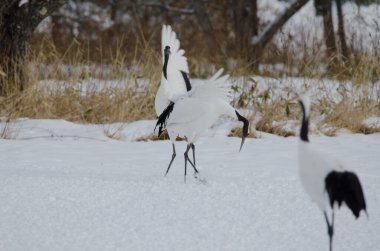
{"x":213,"y":31}
{"x":233,"y":34}
{"x":77,"y":42}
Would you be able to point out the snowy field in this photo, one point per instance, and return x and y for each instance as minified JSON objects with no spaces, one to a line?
{"x":69,"y":187}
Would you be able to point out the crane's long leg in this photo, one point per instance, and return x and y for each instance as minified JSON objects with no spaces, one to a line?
{"x":193,"y":148}
{"x":191,"y":163}
{"x":188,"y":160}
{"x":173,"y":156}
{"x":186,"y":157}
{"x":330,"y":228}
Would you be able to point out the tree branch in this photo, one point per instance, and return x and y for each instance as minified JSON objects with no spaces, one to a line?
{"x":269,"y":32}
{"x":166,"y":7}
{"x":262,"y":40}
{"x":205,"y":25}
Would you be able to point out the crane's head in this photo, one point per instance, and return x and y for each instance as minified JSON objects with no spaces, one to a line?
{"x":244,"y":129}
{"x":305,"y":105}
{"x":167,"y":51}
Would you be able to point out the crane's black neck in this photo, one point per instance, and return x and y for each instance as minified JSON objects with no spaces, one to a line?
{"x":245,"y":124}
{"x":187,"y":81}
{"x":166,"y":59}
{"x":305,"y":125}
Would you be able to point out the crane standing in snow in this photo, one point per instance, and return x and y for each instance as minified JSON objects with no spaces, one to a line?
{"x":174,"y":78}
{"x":184,"y":110}
{"x":324,"y":179}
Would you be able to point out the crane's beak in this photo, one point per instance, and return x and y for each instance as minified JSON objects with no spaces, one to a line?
{"x":244,"y":129}
{"x":242,"y":143}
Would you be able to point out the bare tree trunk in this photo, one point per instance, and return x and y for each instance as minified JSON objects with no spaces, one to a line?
{"x":206,"y":26}
{"x":328,"y":28}
{"x":57,"y":31}
{"x":245,"y":20}
{"x":239,"y":27}
{"x":254,"y":18}
{"x":16,"y":28}
{"x":341,"y":32}
{"x":262,"y":40}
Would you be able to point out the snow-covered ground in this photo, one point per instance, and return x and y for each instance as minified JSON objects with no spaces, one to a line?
{"x":65,"y":186}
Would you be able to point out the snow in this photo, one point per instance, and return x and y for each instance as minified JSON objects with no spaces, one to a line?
{"x":278,"y":87}
{"x":373,"y":122}
{"x":66,"y":186}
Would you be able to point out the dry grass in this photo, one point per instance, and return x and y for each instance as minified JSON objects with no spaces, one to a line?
{"x":8,"y":131}
{"x":346,"y":114}
{"x":131,"y":63}
{"x":368,"y":130}
{"x":105,"y":106}
{"x":86,"y":93}
{"x":238,"y":132}
{"x":164,"y":136}
{"x":277,"y":111}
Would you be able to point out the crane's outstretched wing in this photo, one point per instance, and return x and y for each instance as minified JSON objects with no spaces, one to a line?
{"x":177,"y":81}
{"x":210,"y":98}
{"x":216,"y":87}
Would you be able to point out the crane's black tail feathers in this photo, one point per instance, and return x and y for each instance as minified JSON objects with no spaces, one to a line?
{"x":162,"y":119}
{"x":345,"y":187}
{"x":245,"y":128}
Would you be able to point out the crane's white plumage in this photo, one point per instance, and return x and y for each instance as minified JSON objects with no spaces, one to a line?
{"x":173,"y":85}
{"x":314,"y":167}
{"x":198,"y":110}
{"x":161,"y":101}
{"x":186,"y":110}
{"x":324,"y":178}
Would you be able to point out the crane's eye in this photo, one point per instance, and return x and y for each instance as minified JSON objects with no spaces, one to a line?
{"x":167,"y":49}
